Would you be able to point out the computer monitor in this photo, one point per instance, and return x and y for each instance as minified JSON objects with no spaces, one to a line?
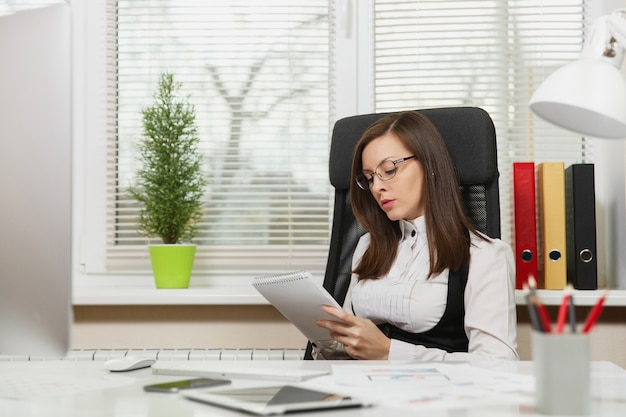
{"x":35,"y":183}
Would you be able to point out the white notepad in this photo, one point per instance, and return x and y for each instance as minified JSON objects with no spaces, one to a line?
{"x":277,"y":371}
{"x":299,"y":298}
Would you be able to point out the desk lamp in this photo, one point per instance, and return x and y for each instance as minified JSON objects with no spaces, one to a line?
{"x":588,"y":96}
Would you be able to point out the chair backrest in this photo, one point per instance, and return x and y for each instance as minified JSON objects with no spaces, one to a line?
{"x":470,"y":136}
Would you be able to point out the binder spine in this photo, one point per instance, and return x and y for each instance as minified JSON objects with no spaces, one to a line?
{"x":525,"y":213}
{"x":582,"y":261}
{"x":552,"y":219}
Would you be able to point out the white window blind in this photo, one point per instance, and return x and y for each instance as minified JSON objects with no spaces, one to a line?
{"x":264,"y":81}
{"x":257,"y":74}
{"x":489,"y":54}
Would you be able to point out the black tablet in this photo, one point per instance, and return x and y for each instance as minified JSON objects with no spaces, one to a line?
{"x":273,"y":400}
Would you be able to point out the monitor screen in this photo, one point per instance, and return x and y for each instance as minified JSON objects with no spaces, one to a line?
{"x":35,"y":182}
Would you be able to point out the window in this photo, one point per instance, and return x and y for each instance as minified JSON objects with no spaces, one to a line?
{"x":269,"y":81}
{"x":258,"y":77}
{"x":489,"y":54}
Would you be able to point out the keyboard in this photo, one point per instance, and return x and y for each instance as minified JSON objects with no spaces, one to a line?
{"x":18,"y":386}
{"x":264,"y":354}
{"x":232,"y":370}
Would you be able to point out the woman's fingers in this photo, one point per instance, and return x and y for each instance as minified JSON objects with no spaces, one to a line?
{"x":339,"y":313}
{"x":360,"y":337}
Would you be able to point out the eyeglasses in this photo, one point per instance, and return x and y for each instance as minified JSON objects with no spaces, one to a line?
{"x":386,"y":170}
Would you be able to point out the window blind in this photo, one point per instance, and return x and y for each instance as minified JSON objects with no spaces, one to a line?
{"x":258,"y":78}
{"x":261,"y":80}
{"x":489,"y":54}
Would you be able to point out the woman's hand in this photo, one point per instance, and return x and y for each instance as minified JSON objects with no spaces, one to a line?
{"x":360,"y":337}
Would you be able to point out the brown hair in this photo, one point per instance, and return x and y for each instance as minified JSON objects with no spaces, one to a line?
{"x":447,"y":226}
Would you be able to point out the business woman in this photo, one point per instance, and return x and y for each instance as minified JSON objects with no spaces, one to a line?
{"x":426,"y":285}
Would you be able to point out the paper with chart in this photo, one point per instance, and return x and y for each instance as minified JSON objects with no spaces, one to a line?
{"x":429,"y":385}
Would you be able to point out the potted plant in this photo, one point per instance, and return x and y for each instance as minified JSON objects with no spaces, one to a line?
{"x":170,"y":184}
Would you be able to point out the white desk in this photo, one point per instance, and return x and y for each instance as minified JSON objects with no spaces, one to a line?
{"x":121,"y":394}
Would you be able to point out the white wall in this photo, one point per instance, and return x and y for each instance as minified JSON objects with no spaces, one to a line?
{"x":163,"y":327}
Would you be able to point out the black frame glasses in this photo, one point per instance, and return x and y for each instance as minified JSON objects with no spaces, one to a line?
{"x":390,"y":169}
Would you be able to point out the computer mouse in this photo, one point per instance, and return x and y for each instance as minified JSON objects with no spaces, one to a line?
{"x":128,"y":363}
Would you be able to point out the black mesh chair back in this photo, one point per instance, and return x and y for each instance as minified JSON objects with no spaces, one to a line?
{"x":470,"y":136}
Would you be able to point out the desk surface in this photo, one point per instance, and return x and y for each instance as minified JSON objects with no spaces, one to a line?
{"x":74,"y":388}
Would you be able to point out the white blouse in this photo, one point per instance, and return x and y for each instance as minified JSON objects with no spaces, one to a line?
{"x":411,"y":302}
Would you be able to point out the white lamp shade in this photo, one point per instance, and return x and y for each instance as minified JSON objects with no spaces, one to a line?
{"x":587,"y":96}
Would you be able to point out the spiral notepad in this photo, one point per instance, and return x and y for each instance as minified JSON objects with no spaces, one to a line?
{"x":299,"y":298}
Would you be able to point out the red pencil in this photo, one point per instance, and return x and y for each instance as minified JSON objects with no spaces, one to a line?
{"x":544,"y":318}
{"x":594,"y":313}
{"x":532,"y":310}
{"x":560,"y":321}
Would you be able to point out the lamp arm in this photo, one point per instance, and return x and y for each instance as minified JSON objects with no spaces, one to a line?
{"x":616,"y":23}
{"x":607,"y":38}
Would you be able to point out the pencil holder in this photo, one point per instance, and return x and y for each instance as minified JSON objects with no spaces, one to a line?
{"x":562,"y":376}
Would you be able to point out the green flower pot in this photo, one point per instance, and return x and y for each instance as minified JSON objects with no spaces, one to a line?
{"x":172,"y":265}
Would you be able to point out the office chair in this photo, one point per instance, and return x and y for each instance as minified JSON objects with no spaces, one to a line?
{"x":470,"y":136}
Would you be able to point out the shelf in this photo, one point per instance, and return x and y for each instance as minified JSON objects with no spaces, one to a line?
{"x":615,"y":298}
{"x":247,"y":295}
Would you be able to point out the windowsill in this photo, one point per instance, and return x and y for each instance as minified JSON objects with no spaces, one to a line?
{"x":124,"y":295}
{"x":247,"y":295}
